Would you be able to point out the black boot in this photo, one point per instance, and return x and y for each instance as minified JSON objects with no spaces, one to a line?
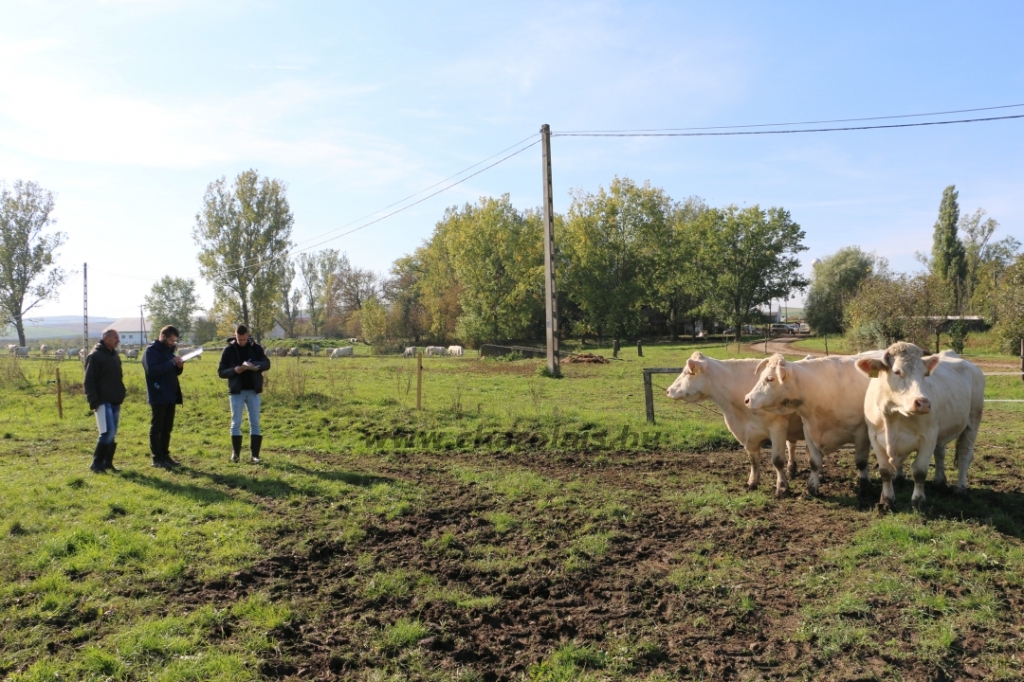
{"x":166,"y":452}
{"x":236,"y":448}
{"x":111,"y":449}
{"x":99,"y":459}
{"x":255,"y":443}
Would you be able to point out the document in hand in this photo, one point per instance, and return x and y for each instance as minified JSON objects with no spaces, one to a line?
{"x":193,"y":354}
{"x":249,"y":366}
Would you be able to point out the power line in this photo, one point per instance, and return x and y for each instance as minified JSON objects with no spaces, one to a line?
{"x":788,"y":132}
{"x":799,"y":123}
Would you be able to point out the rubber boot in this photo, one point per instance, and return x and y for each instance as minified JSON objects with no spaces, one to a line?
{"x":111,"y":449}
{"x":236,"y":448}
{"x":99,"y":459}
{"x":255,"y":443}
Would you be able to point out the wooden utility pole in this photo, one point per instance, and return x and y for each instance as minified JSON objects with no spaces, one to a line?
{"x":419,"y":381}
{"x":550,"y":294}
{"x":60,"y":404}
{"x":85,"y":306}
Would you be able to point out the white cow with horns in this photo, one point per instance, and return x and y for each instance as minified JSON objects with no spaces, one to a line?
{"x":920,"y":404}
{"x":725,"y":382}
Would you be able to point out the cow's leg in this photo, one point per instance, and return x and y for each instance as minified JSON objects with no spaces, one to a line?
{"x":791,"y":452}
{"x":817,"y":460}
{"x":965,"y":453}
{"x":940,"y":465}
{"x":886,"y":471}
{"x":861,"y":457}
{"x":754,"y":452}
{"x":779,"y":445}
{"x":919,"y":470}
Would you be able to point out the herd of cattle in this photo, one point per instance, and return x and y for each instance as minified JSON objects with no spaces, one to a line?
{"x":897,"y":401}
{"x":331,"y":353}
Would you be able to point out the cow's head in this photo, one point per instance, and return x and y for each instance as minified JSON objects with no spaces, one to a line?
{"x":901,"y":373}
{"x":693,"y":384}
{"x":774,"y":390}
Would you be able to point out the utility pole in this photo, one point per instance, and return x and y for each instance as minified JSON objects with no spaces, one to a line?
{"x":85,"y":306}
{"x":142,"y":327}
{"x":550,"y":294}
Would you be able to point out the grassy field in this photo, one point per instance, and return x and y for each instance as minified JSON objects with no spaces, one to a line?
{"x":516,"y":527}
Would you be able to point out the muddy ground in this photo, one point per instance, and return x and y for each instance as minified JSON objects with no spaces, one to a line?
{"x":621,"y":595}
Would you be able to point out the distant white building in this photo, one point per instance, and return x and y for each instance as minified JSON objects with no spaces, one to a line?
{"x":132,"y":332}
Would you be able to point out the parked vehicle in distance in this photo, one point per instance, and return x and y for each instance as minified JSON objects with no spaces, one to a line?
{"x":804,"y":328}
{"x":779,"y":329}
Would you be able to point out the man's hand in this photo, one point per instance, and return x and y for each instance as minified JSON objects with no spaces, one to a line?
{"x":239,"y":369}
{"x":178,"y":362}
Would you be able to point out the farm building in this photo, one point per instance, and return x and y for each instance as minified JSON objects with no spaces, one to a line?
{"x":131,"y":330}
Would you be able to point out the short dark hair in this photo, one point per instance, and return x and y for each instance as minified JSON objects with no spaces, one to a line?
{"x":241,"y":329}
{"x":169,"y":330}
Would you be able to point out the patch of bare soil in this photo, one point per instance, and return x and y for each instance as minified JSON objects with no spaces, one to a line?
{"x":586,"y":359}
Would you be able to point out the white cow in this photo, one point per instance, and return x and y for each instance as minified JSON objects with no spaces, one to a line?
{"x":725,"y":383}
{"x":436,"y":350}
{"x":455,"y":351}
{"x":828,"y":395}
{"x":410,"y":352}
{"x":44,"y":349}
{"x":293,"y":352}
{"x":132,"y":354}
{"x":82,"y":353}
{"x":59,"y":354}
{"x":19,"y":351}
{"x":346,"y":352}
{"x":920,"y":404}
{"x":71,"y":352}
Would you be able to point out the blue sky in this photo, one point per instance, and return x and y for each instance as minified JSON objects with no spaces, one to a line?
{"x":127,"y":110}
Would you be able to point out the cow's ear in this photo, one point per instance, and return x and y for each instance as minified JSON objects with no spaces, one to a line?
{"x":782,"y":370}
{"x":871,"y":366}
{"x":760,"y":366}
{"x":930,"y":363}
{"x":693,"y":366}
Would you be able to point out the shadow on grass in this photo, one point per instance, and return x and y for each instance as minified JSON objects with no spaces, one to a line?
{"x":1003,"y":511}
{"x":194,"y":492}
{"x":347,"y":477}
{"x":264,"y":487}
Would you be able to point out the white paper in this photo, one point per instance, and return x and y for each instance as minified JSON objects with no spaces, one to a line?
{"x":193,"y":354}
{"x":101,"y":419}
{"x":249,"y":366}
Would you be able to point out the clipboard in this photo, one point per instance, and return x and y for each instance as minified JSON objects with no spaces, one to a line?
{"x":192,"y":354}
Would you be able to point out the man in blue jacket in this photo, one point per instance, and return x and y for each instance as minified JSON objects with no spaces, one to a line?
{"x":162,"y":368}
{"x":243,"y":363}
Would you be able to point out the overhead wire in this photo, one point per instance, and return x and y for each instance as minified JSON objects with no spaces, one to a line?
{"x":784,"y":132}
{"x":801,"y":123}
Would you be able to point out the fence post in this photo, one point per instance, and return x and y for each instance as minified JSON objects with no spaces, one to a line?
{"x":1022,"y":359}
{"x":419,"y":380}
{"x":649,"y":397}
{"x":60,"y":405}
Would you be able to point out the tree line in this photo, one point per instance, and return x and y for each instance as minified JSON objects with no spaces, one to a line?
{"x":631,"y":262}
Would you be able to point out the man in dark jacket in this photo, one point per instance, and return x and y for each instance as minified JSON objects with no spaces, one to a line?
{"x":243,"y":363}
{"x":104,"y":389}
{"x":162,"y":368}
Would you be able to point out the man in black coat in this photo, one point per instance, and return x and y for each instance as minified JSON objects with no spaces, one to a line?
{"x":162,"y":368}
{"x":243,"y":363}
{"x":104,"y":389}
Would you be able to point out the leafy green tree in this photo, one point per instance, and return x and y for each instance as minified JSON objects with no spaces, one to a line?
{"x":316,"y":271}
{"x":752,"y":255}
{"x":890,"y":307}
{"x":409,"y":317}
{"x":612,"y":245}
{"x":243,"y":232}
{"x":1010,"y":307}
{"x":28,"y":275}
{"x":835,"y":281}
{"x":173,"y":300}
{"x":291,"y":302}
{"x":987,"y":260}
{"x":949,"y":259}
{"x":374,"y":321}
{"x":204,"y":329}
{"x":681,"y":281}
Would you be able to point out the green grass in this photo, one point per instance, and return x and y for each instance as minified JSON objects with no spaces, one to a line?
{"x":101,"y":576}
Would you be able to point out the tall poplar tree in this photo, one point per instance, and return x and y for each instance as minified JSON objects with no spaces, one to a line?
{"x":949,"y":258}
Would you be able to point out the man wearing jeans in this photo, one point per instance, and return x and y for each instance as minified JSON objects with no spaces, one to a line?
{"x":162,"y":368}
{"x":104,"y":389}
{"x":243,"y":363}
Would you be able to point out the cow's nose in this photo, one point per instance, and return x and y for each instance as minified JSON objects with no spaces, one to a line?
{"x":922,"y":405}
{"x":746,"y":401}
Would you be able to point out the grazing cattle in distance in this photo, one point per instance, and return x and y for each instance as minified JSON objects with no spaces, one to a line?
{"x":725,"y":383}
{"x":316,"y":349}
{"x":11,"y":347}
{"x":828,"y":395}
{"x":293,"y":352}
{"x":353,"y":340}
{"x":455,"y":351}
{"x":59,"y":354}
{"x":82,"y":353}
{"x":18,"y":351}
{"x":410,"y":352}
{"x":44,"y":349}
{"x":71,"y":352}
{"x":439,"y":351}
{"x":920,"y":404}
{"x":346,"y":352}
{"x":132,"y":354}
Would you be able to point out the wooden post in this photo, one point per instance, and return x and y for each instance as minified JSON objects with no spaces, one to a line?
{"x":419,"y":381}
{"x":550,"y":291}
{"x":60,"y":405}
{"x":1022,"y":359}
{"x":649,"y":397}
